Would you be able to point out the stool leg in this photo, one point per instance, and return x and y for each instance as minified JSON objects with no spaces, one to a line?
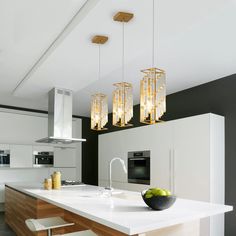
{"x":49,"y":232}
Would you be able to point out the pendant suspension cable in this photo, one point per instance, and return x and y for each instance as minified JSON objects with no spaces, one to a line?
{"x":123,"y":51}
{"x":153,"y":33}
{"x":99,"y":61}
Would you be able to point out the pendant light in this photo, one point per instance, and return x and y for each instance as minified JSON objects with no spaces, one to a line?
{"x":123,"y":93}
{"x":152,"y":89}
{"x":99,"y":106}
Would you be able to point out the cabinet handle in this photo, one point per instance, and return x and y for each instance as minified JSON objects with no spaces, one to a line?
{"x":170,"y":170}
{"x":174,"y":171}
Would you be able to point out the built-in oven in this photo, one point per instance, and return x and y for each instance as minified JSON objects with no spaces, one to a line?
{"x":43,"y":159}
{"x":4,"y":158}
{"x":139,"y":167}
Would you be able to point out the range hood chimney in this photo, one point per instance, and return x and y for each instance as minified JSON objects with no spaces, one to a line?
{"x":60,"y":118}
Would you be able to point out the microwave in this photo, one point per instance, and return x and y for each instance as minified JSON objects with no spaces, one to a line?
{"x":43,"y":159}
{"x":139,"y":167}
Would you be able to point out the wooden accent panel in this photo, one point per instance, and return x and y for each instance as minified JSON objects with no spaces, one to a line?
{"x":82,"y":223}
{"x":45,"y":210}
{"x":18,"y":208}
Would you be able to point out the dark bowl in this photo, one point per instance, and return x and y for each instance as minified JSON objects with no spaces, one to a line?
{"x":159,"y":203}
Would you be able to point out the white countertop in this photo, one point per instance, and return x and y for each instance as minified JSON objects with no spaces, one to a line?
{"x":124,"y":212}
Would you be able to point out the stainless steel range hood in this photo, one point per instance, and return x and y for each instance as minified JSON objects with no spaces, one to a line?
{"x":60,"y":118}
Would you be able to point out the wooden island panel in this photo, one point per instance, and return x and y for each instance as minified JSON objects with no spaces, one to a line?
{"x":20,"y":207}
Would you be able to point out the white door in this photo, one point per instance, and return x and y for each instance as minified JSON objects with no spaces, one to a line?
{"x":64,"y":157}
{"x":21,"y":156}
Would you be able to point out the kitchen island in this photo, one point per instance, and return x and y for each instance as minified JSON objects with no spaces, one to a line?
{"x":88,"y":207}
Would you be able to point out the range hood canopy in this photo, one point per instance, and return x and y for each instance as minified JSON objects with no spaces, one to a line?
{"x":60,"y":118}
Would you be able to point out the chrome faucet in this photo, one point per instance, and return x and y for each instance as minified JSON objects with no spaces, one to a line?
{"x":110,"y":171}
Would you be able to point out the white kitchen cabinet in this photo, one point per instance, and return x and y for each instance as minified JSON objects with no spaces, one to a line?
{"x":43,"y":148}
{"x":156,"y":138}
{"x":66,"y":173}
{"x":64,"y":157}
{"x":4,"y":147}
{"x":21,"y":156}
{"x":191,"y":158}
{"x":22,"y":128}
{"x":198,"y":164}
{"x":187,"y":157}
{"x":118,"y":144}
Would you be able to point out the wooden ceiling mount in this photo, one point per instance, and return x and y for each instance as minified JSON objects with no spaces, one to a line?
{"x":123,"y":16}
{"x":99,"y":39}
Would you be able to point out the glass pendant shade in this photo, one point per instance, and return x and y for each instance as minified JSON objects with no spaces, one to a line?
{"x":99,"y":111}
{"x":152,"y":95}
{"x":122,"y":104}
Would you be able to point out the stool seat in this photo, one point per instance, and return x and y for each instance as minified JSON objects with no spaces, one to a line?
{"x":81,"y":233}
{"x":51,"y":223}
{"x":36,"y":225}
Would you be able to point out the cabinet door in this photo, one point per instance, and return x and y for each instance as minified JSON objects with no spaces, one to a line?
{"x":4,"y":147}
{"x":43,"y":148}
{"x":21,"y":156}
{"x":191,"y":158}
{"x":64,"y":157}
{"x":162,"y":141}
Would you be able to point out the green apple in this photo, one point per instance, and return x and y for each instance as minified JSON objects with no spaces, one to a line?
{"x":162,"y":192}
{"x":168,"y":193}
{"x":149,"y":191}
{"x":148,"y":195}
{"x":158,"y":192}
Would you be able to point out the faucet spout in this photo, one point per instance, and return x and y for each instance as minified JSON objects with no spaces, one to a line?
{"x":110,"y":170}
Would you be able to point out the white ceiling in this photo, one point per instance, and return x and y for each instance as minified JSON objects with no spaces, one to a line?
{"x":195,"y":43}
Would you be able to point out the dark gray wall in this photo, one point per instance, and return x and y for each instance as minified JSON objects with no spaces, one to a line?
{"x":89,"y":154}
{"x":217,"y":97}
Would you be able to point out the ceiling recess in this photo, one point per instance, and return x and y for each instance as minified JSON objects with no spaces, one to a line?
{"x":75,"y":20}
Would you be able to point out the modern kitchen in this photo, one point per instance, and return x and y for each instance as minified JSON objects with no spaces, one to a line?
{"x":117,"y":118}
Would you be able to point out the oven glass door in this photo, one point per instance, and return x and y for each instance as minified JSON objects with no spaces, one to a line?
{"x":43,"y":160}
{"x":139,"y":170}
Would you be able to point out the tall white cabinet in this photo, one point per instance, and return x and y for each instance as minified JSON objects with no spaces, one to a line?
{"x":187,"y":157}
